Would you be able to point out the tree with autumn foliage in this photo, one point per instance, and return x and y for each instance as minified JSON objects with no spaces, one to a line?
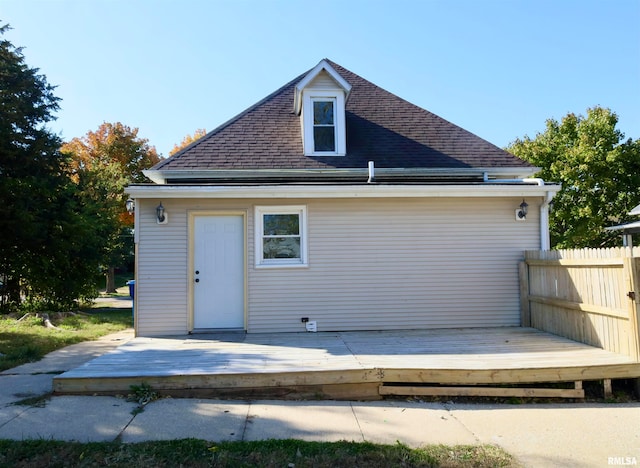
{"x":108,"y":159}
{"x":187,"y":140}
{"x":113,"y":143}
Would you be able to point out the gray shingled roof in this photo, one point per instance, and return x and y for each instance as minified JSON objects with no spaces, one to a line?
{"x":381,"y":127}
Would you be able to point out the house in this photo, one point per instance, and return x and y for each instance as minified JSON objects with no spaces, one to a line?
{"x":628,"y":229}
{"x":334,"y":204}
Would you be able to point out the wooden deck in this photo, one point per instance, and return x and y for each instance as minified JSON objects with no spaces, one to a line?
{"x":350,"y":364}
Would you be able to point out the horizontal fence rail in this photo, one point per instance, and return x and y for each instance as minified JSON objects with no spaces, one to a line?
{"x":587,"y":295}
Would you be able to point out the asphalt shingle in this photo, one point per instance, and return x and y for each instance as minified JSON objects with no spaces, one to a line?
{"x":380,"y":126}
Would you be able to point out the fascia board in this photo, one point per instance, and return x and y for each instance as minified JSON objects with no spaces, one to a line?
{"x":337,"y":191}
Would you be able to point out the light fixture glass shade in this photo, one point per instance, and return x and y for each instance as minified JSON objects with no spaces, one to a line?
{"x":523,"y":209}
{"x":130,"y":205}
{"x":160,"y":213}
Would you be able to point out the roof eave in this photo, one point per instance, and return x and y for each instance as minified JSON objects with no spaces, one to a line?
{"x":628,"y":228}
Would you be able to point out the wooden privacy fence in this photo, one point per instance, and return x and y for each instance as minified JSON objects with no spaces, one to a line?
{"x":589,"y":295}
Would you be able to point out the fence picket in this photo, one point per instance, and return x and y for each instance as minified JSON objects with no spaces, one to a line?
{"x":582,"y":294}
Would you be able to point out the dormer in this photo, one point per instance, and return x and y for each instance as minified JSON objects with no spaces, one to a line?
{"x":320,"y":102}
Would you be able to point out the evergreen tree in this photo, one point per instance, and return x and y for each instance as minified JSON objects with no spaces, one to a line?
{"x":55,"y":224}
{"x":30,"y":167}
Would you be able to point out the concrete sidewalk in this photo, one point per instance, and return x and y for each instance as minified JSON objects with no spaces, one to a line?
{"x":557,"y":435}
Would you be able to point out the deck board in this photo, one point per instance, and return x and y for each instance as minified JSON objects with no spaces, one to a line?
{"x":493,"y":355}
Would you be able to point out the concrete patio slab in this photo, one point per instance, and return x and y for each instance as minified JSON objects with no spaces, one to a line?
{"x":323,"y":421}
{"x":585,"y":435}
{"x":412,"y":423}
{"x":18,"y":387}
{"x":82,"y":419}
{"x":9,"y":413}
{"x":180,"y":419}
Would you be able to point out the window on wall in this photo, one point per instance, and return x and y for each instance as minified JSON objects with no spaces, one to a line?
{"x":281,"y":236}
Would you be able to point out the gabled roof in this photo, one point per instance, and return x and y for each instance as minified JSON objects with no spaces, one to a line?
{"x":324,"y":65}
{"x":380,"y":126}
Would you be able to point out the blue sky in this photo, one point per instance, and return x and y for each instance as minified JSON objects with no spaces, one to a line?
{"x":498,"y":68}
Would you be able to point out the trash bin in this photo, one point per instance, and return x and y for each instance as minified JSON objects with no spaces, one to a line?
{"x":132,"y":287}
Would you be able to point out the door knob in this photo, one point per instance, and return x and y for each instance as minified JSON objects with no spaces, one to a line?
{"x":197,"y":280}
{"x":197,"y":272}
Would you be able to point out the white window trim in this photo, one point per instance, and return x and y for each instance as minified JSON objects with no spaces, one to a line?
{"x":308,"y":97}
{"x":260,"y":262}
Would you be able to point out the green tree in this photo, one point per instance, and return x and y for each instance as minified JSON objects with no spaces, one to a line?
{"x":29,"y":165}
{"x":80,"y":237}
{"x":49,"y":251}
{"x":599,"y":171}
{"x":187,"y":140}
{"x":112,"y":156}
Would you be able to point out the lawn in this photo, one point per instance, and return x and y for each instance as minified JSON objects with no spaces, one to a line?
{"x":28,"y":340}
{"x":270,"y":453}
{"x":121,"y":282}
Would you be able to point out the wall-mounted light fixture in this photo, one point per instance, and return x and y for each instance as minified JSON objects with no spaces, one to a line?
{"x":130,"y":205}
{"x":521,"y":213}
{"x":161,"y":216}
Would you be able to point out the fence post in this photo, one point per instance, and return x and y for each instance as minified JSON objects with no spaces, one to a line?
{"x":525,"y":312}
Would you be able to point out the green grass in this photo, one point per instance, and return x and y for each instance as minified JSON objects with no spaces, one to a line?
{"x":121,"y":282}
{"x":270,"y":453}
{"x":29,"y":340}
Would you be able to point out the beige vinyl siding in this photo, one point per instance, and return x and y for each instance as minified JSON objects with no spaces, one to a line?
{"x":322,"y":81}
{"x":404,"y":263}
{"x":373,"y":264}
{"x":161,"y":285}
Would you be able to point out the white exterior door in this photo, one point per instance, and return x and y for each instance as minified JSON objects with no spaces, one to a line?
{"x":218,"y":261}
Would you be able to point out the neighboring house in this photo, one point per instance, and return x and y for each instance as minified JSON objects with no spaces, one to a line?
{"x":334,"y":201}
{"x":627,"y":230}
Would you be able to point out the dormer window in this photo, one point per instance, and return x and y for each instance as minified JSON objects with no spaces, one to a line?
{"x":320,"y":101}
{"x":324,"y":125}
